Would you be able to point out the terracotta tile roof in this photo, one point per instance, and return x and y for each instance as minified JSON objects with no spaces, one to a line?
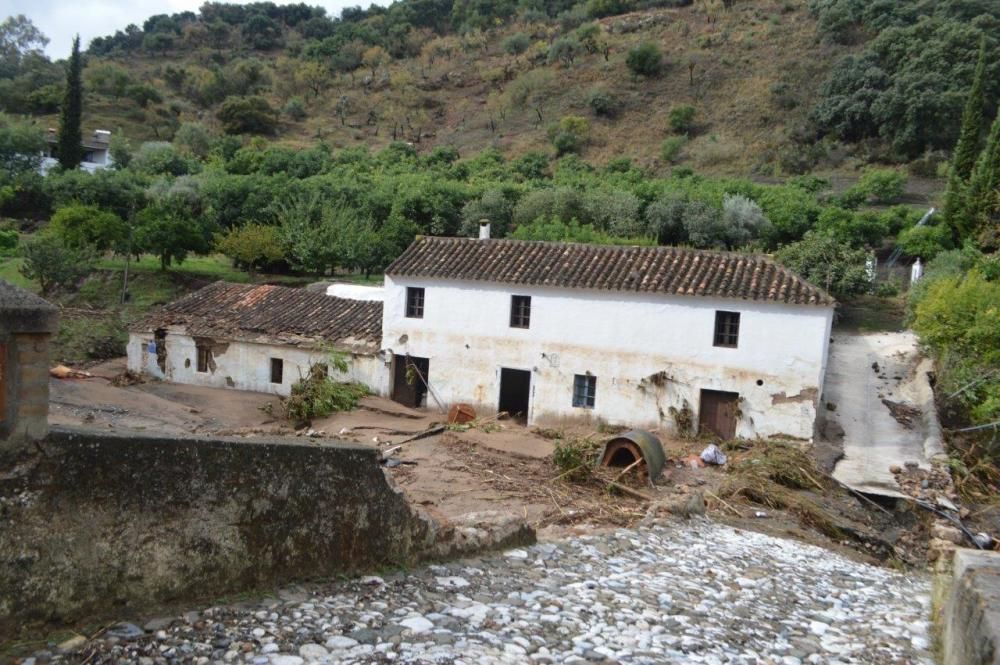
{"x":667,"y":270}
{"x":272,"y":315}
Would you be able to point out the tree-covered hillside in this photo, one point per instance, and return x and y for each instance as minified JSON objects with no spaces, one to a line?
{"x":775,"y":86}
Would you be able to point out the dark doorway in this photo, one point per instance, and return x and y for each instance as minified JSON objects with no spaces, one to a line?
{"x":410,"y":375}
{"x":717,"y":413}
{"x":515,"y":392}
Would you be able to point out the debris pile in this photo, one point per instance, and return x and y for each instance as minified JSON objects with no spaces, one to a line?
{"x":926,"y":485}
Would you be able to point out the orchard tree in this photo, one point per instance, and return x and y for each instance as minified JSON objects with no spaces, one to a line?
{"x":89,"y":226}
{"x":52,"y":263}
{"x":252,"y":246}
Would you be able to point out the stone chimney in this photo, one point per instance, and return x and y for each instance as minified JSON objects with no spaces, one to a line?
{"x":26,"y":324}
{"x":484,"y":229}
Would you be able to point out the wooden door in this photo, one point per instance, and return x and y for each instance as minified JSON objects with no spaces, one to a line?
{"x":410,"y":374}
{"x":717,"y":413}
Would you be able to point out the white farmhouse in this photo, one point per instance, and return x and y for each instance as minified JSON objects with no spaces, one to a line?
{"x":654,"y":337}
{"x":257,"y":337}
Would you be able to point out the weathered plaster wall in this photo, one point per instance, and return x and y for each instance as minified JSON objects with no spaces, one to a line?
{"x":95,"y":522}
{"x":649,"y":353}
{"x":245,"y":365}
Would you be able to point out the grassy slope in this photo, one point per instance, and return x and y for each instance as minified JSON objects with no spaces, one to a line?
{"x":738,"y":58}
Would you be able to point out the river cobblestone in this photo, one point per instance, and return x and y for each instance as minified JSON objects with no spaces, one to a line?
{"x":695,"y":592}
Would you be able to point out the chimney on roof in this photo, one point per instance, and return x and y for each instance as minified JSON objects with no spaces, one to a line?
{"x":484,"y":229}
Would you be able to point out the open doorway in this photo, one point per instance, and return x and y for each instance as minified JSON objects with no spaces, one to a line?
{"x":717,"y":413}
{"x":515,"y":392}
{"x":410,"y":375}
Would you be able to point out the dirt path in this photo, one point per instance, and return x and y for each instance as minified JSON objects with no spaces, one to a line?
{"x":879,"y":388}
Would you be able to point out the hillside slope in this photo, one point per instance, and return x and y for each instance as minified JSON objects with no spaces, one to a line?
{"x":751,"y":73}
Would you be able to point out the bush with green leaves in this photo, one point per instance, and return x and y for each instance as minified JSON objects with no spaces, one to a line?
{"x":644,"y":60}
{"x":681,"y":118}
{"x":851,"y":228}
{"x":881,"y":185}
{"x":247,"y":115}
{"x":564,"y":51}
{"x":516,"y":44}
{"x":570,"y":134}
{"x":924,"y":241}
{"x":8,"y":242}
{"x":162,"y":158}
{"x":295,"y":109}
{"x":88,"y":226}
{"x":828,"y":263}
{"x":958,"y":319}
{"x":553,"y":229}
{"x":671,"y":148}
{"x":53,"y":263}
{"x":251,"y":247}
{"x":602,"y":102}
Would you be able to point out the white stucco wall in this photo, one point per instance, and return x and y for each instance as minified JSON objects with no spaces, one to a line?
{"x":244,"y":365}
{"x":622,"y":339}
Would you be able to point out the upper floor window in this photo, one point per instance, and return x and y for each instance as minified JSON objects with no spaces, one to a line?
{"x":520,"y":311}
{"x":414,"y":302}
{"x":584,"y":391}
{"x":727,"y":328}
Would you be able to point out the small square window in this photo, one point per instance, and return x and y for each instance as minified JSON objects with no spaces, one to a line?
{"x":584,"y":391}
{"x":277,"y":370}
{"x":727,"y":328}
{"x":520,"y":311}
{"x":204,"y":355}
{"x":414,"y":302}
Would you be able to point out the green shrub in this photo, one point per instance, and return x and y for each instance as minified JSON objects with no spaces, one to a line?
{"x":570,"y":134}
{"x":295,"y":108}
{"x":247,"y":115}
{"x":602,"y":102}
{"x":682,"y":118}
{"x":644,"y":60}
{"x":827,"y":262}
{"x":52,"y":263}
{"x":670,"y":149}
{"x":8,"y":242}
{"x":882,"y":185}
{"x":516,"y":44}
{"x":924,"y":241}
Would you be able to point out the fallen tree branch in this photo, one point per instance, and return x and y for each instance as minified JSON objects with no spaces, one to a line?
{"x":723,"y":502}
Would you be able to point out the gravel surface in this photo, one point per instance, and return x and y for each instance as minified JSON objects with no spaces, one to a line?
{"x":674,"y":593}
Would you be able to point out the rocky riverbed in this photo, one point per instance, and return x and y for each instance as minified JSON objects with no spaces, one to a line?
{"x":671,"y":593}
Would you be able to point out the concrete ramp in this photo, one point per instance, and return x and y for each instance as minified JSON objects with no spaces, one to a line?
{"x":883,"y":402}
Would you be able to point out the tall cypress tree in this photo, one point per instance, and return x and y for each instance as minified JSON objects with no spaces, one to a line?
{"x":967,"y":148}
{"x":984,"y":181}
{"x":70,"y":134}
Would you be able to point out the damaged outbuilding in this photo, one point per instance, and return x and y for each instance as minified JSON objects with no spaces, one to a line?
{"x":261,"y":338}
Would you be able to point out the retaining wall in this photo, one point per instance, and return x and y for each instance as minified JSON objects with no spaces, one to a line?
{"x":93,"y":523}
{"x":971,"y":619}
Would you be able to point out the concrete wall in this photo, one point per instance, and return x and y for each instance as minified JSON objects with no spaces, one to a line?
{"x":96,"y":522}
{"x":971,"y":619}
{"x":650,"y":353}
{"x":244,"y":365}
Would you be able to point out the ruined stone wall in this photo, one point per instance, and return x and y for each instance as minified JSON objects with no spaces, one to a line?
{"x":93,"y":523}
{"x":25,"y":369}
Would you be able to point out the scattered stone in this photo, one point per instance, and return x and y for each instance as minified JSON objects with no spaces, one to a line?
{"x":682,"y":592}
{"x":72,"y":644}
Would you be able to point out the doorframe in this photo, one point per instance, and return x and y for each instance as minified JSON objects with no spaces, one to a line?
{"x":736,"y":402}
{"x":531,"y":389}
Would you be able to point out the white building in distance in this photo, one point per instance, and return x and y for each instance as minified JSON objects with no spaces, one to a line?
{"x":651,"y":337}
{"x":96,"y":151}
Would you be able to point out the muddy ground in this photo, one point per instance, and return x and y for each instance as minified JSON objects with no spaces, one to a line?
{"x":501,"y":468}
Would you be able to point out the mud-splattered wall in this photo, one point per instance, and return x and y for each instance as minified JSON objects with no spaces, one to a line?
{"x":94,"y":522}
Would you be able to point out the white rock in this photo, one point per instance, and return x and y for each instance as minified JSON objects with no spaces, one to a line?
{"x":516,"y":554}
{"x":818,"y":627}
{"x":452,"y":582}
{"x":417,"y":624}
{"x":340,"y":642}
{"x":313,"y":652}
{"x":286,"y":659}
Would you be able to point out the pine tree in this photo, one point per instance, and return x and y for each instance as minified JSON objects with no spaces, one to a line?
{"x":985,"y":180}
{"x":70,"y":134}
{"x":967,"y":148}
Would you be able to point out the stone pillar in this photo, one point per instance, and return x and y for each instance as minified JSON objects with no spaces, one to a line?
{"x":26,"y":324}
